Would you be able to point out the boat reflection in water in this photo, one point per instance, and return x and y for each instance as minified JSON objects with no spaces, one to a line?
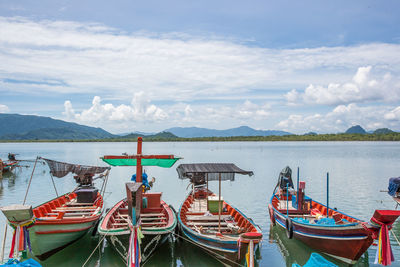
{"x":294,"y":251}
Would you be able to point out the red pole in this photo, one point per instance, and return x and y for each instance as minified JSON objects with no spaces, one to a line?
{"x":139,"y":160}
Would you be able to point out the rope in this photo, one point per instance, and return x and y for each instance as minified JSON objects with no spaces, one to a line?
{"x":91,"y":254}
{"x":395,"y":237}
{"x":209,"y":250}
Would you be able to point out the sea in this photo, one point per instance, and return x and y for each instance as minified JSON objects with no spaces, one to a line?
{"x":358,"y":181}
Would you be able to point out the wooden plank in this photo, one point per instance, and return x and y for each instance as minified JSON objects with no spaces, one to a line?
{"x":205,"y":218}
{"x":119,"y":224}
{"x":79,"y":204}
{"x":153,"y":223}
{"x":73,"y":210}
{"x":153,"y":218}
{"x":151,"y":214}
{"x":72,"y":214}
{"x":205,"y":223}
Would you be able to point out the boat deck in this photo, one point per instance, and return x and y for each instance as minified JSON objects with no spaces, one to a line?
{"x":66,"y":207}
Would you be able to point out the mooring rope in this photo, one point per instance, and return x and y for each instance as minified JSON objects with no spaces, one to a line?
{"x":95,"y":249}
{"x":395,"y":237}
{"x":209,"y":250}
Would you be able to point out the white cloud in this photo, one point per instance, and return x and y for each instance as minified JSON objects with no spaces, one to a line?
{"x":139,"y":110}
{"x":363,"y":88}
{"x":4,"y":108}
{"x":342,"y":117}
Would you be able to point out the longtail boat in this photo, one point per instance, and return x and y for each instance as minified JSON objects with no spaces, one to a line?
{"x":138,"y":224}
{"x":8,"y":166}
{"x":57,"y":223}
{"x":208,"y":221}
{"x":328,"y":230}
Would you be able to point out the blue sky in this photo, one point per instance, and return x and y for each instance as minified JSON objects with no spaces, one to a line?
{"x":125,"y":66}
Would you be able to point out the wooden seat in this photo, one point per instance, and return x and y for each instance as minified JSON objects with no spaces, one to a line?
{"x":153,"y":223}
{"x":205,"y":218}
{"x":206,"y":223}
{"x":151,"y":214}
{"x":153,"y":218}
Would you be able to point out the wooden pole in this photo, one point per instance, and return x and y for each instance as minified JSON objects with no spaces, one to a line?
{"x":207,"y":190}
{"x":4,"y":243}
{"x":30,"y":180}
{"x":219,"y":205}
{"x":327,"y":194}
{"x":54,"y":185}
{"x":139,"y":160}
{"x":251,"y":251}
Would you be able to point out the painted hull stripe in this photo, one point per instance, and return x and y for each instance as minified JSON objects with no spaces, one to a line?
{"x":62,"y":231}
{"x":324,"y":236}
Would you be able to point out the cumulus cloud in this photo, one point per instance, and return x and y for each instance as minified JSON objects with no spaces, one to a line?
{"x":4,"y":108}
{"x":364,"y":87}
{"x":342,"y":117}
{"x":139,"y":110}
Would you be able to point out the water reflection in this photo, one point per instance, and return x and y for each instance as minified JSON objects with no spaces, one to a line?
{"x":295,"y":251}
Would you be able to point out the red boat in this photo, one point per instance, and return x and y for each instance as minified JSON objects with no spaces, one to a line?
{"x":328,"y":230}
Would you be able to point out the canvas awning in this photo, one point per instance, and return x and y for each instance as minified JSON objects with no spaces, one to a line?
{"x":211,"y":171}
{"x":166,"y":162}
{"x":60,"y":169}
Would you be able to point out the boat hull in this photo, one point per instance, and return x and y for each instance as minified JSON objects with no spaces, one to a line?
{"x":49,"y":239}
{"x":153,"y":238}
{"x":229,"y":249}
{"x":149,"y":244}
{"x":347,"y":243}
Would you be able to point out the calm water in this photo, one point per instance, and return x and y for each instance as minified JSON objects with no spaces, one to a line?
{"x":358,"y":170}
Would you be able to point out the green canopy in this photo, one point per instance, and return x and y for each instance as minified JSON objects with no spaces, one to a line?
{"x":165,"y":163}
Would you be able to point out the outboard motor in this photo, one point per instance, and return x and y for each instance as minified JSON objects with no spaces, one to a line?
{"x":285,"y":179}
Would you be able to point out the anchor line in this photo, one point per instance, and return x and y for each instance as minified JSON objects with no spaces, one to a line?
{"x":209,"y":250}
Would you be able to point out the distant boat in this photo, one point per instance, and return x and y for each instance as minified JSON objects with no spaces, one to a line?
{"x":59,"y":222}
{"x":327,"y":230}
{"x":10,"y":164}
{"x":209,"y":222}
{"x":141,"y":215}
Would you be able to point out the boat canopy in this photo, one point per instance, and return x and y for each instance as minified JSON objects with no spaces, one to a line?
{"x":166,"y":162}
{"x":199,"y":172}
{"x":61,"y":169}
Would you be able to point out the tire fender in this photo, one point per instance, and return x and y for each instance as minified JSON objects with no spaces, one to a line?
{"x":289,"y":228}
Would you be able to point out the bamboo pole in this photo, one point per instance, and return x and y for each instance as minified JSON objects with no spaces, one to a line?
{"x":207,"y":190}
{"x":54,"y":185}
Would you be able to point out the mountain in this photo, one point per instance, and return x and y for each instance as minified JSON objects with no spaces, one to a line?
{"x":188,"y":132}
{"x":356,"y":130}
{"x":31,"y":127}
{"x":383,"y":131}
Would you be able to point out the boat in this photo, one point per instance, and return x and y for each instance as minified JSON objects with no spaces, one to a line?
{"x":138,"y":224}
{"x":8,"y":166}
{"x":394,"y":189}
{"x":208,"y":221}
{"x":316,"y":260}
{"x":57,"y":223}
{"x":328,"y":230}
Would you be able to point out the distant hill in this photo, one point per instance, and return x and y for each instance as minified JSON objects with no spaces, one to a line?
{"x":162,"y":135}
{"x":188,"y":132}
{"x":383,"y":131}
{"x":30,"y":127}
{"x":356,"y":130}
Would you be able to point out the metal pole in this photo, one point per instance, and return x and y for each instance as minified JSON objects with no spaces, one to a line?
{"x":327,"y":194}
{"x":30,"y":180}
{"x":219,"y":205}
{"x":298,"y":190}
